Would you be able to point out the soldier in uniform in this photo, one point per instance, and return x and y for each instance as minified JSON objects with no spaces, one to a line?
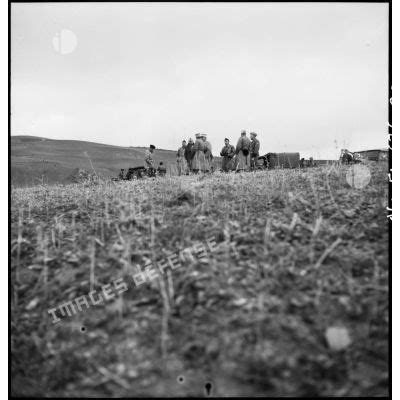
{"x":181,"y":160}
{"x":254,"y":150}
{"x":243,"y":153}
{"x":199,"y":160}
{"x":148,"y":161}
{"x":207,"y":153}
{"x":121,"y":174}
{"x":346,"y":157}
{"x":227,"y":154}
{"x":189,"y":154}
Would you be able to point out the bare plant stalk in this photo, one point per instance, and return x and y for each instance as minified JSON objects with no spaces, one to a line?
{"x":45,"y":266}
{"x":267,"y":231}
{"x":91,"y":164}
{"x":152,"y":232}
{"x":317,"y":226}
{"x":171,"y":292}
{"x":127,"y":255}
{"x":73,"y":226}
{"x":327,"y":252}
{"x":107,"y":214}
{"x":294,"y":222}
{"x":260,"y":306}
{"x":164,"y":334}
{"x":316,"y":196}
{"x":92,"y":264}
{"x":331,"y":194}
{"x":53,"y":237}
{"x":165,"y":319}
{"x":164,"y":296}
{"x":60,"y":230}
{"x":19,"y":241}
{"x":102,"y":229}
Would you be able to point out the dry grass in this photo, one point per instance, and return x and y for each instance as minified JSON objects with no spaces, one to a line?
{"x":298,"y":252}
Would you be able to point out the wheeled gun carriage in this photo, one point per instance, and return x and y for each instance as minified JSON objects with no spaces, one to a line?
{"x":135,"y":173}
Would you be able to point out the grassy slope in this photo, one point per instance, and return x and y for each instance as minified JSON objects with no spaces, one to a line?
{"x":31,"y":157}
{"x":252,"y":321}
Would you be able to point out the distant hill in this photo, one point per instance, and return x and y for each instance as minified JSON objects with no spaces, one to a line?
{"x":35,"y":159}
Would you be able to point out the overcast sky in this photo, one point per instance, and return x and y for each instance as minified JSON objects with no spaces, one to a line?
{"x":306,"y":77}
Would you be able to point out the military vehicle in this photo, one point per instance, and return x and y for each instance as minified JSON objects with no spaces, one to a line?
{"x":373,"y":155}
{"x":279,"y":160}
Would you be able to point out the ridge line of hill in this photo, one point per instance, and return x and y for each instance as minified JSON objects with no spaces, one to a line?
{"x":40,"y":138}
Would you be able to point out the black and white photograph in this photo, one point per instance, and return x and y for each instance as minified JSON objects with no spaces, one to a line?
{"x":200,"y":199}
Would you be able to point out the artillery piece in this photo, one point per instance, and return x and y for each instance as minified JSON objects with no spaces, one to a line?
{"x":135,"y":173}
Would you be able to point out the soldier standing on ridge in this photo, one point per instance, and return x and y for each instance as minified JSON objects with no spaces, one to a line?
{"x":198,"y":162}
{"x":181,"y":160}
{"x":189,"y":154}
{"x":346,"y":157}
{"x":243,"y":151}
{"x":227,"y":152}
{"x":254,"y":150}
{"x":207,"y":153}
{"x":148,"y":161}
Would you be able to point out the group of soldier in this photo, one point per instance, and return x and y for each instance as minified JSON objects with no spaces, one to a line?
{"x":195,"y":157}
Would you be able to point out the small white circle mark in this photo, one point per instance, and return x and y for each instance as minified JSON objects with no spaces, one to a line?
{"x":65,"y":41}
{"x":358,"y":176}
